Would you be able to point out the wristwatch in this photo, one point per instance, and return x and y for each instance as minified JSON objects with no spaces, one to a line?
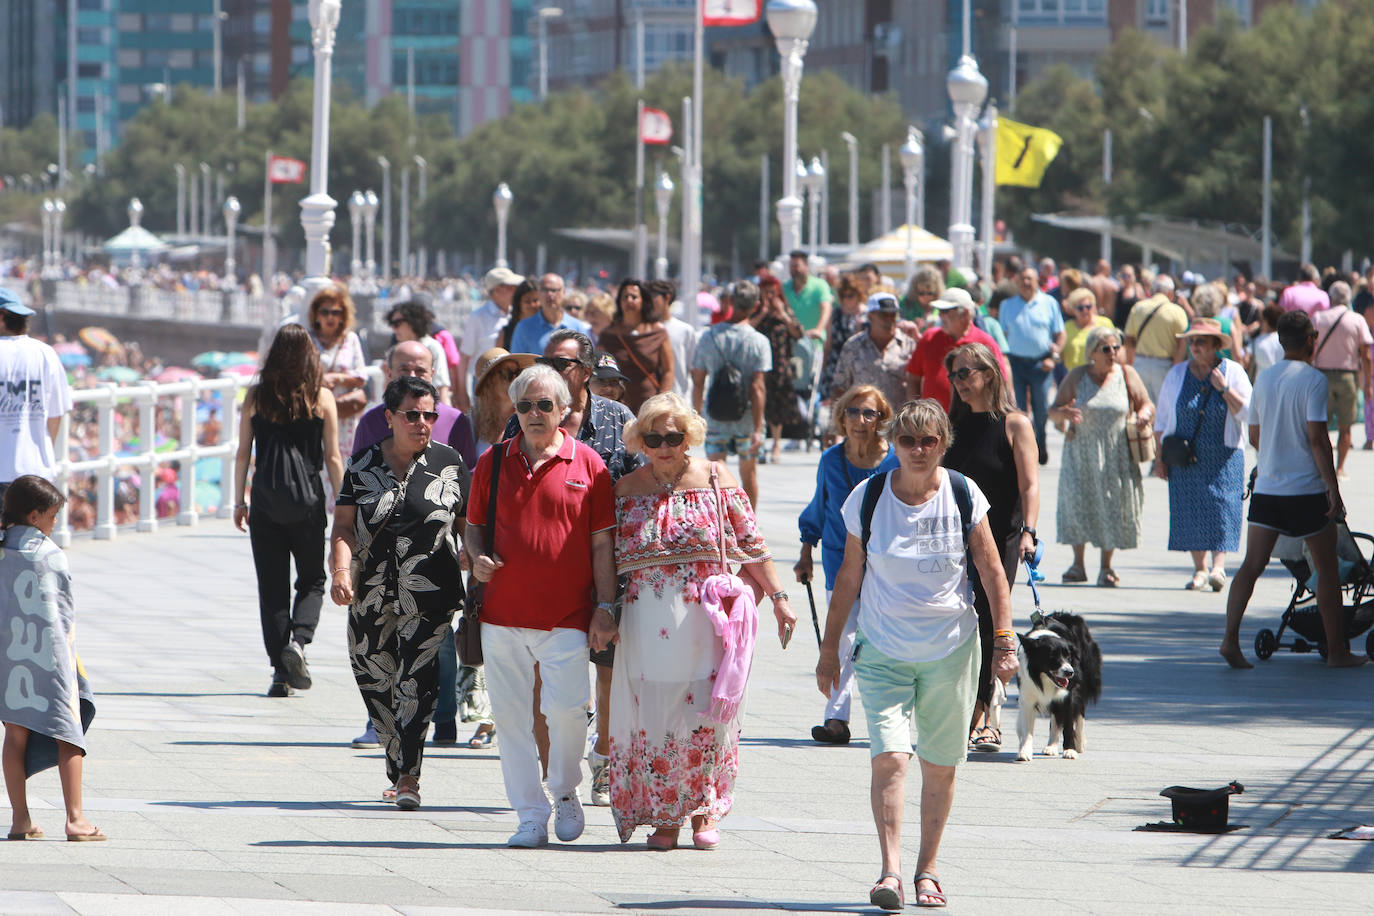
{"x":606,"y":606}
{"x":1026,"y":529}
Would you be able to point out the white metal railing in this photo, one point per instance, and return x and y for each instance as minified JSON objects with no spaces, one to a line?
{"x":107,"y":462}
{"x":212,"y":306}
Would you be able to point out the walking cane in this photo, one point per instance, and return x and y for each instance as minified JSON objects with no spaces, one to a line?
{"x":815,"y":621}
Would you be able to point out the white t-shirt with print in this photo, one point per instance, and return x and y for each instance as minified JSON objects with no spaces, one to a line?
{"x":915,"y":604}
{"x":33,"y":387}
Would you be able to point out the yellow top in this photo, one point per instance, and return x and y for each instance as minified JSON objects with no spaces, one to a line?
{"x":1160,"y":337}
{"x":1075,"y":338}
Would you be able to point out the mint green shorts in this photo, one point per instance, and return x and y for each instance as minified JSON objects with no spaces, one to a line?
{"x":941,"y":694}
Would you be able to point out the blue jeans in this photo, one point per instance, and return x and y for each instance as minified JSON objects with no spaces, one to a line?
{"x":1026,"y":373}
{"x":446,"y":708}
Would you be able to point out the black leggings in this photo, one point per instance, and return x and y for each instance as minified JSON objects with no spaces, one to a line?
{"x":274,"y":547}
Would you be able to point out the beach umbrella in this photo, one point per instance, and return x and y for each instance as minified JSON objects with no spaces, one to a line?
{"x":209,"y":470}
{"x":68,"y":346}
{"x":206,"y":496}
{"x":211,"y":359}
{"x":247,"y":370}
{"x":175,"y":374}
{"x":73,"y":360}
{"x":121,"y":374}
{"x":98,"y":339}
{"x":239,"y":359}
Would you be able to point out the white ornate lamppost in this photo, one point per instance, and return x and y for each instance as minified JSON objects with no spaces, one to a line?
{"x":231,"y":219}
{"x":385,"y":165}
{"x":967,"y":90}
{"x":355,"y":218}
{"x":851,"y":142}
{"x":422,"y":170}
{"x":135,"y":212}
{"x":317,"y":210}
{"x":663,"y":198}
{"x":913,"y":157}
{"x":501,"y":199}
{"x":791,"y":22}
{"x":370,"y":220}
{"x":815,"y":186}
{"x":46,"y":213}
{"x":59,"y":207}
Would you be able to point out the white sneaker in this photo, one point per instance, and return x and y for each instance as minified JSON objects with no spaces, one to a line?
{"x":368,"y":738}
{"x":568,"y":819}
{"x":531,"y":835}
{"x":601,"y":779}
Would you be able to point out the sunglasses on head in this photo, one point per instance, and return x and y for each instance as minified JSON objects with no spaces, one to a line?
{"x":559,"y":363}
{"x":672,"y":440}
{"x":910,"y":442}
{"x":414,"y":416}
{"x":958,"y":375}
{"x":868,"y":413}
{"x":543,"y":405}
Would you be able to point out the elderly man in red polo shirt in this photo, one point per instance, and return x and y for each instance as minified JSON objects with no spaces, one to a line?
{"x":926,"y":376}
{"x":550,"y":581}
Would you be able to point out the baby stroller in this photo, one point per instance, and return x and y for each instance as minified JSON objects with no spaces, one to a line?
{"x":1354,"y":552}
{"x":808,"y":355}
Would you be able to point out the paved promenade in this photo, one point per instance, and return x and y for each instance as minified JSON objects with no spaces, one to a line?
{"x":219,"y":800}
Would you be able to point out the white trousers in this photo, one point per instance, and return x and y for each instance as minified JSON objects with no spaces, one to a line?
{"x":840,"y":697}
{"x":510,"y":655}
{"x":1152,"y":370}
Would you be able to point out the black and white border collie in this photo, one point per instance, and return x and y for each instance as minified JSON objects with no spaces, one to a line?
{"x":1061,"y":672}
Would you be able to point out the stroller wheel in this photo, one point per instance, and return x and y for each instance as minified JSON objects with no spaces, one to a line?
{"x":1265,"y":644}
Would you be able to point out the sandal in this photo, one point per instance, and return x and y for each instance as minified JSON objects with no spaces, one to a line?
{"x":986,"y":738}
{"x":408,"y":798}
{"x":389,"y":794}
{"x":936,"y":897}
{"x":1217,"y":580}
{"x":884,"y":896}
{"x":1075,"y":573}
{"x":1106,"y":579}
{"x":1199,"y":581}
{"x":482,"y":737}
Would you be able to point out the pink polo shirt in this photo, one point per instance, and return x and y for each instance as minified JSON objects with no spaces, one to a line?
{"x":1307,"y":296}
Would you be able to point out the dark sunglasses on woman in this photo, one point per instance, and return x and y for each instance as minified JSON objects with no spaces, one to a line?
{"x":654,"y":440}
{"x":543,"y":405}
{"x":958,"y":375}
{"x":868,"y":413}
{"x":910,"y":442}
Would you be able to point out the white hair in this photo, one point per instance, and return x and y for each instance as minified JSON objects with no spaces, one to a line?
{"x":540,"y":373}
{"x":1163,"y":284}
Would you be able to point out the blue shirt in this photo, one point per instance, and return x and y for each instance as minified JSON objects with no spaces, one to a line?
{"x":1031,"y":327}
{"x":821,"y":521}
{"x":532,"y":334}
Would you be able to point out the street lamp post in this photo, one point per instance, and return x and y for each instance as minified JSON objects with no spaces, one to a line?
{"x":135,"y":212}
{"x":181,"y":198}
{"x":851,"y":142}
{"x":545,"y":14}
{"x":46,"y":214}
{"x":193,"y":195}
{"x":791,"y":22}
{"x":663,"y":198}
{"x":205,"y":198}
{"x":370,"y":217}
{"x":406,"y":269}
{"x":317,"y":210}
{"x":987,"y":139}
{"x":967,"y":90}
{"x":912,"y":155}
{"x":815,"y":186}
{"x":422,"y":167}
{"x":386,"y":216}
{"x":59,"y":207}
{"x":501,"y":199}
{"x":231,"y":220}
{"x":356,"y":202}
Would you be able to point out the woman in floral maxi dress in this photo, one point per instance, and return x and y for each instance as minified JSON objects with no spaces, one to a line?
{"x":671,"y":758}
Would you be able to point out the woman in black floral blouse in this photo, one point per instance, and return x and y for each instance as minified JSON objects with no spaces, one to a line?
{"x":400,"y":515}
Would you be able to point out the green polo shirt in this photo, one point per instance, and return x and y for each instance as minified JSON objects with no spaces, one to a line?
{"x":807,"y":303}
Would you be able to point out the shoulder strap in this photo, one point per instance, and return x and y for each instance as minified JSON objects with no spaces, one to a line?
{"x":1329,"y":331}
{"x":489,"y":533}
{"x":365,"y":550}
{"x":1146,"y":323}
{"x":964,"y":500}
{"x":873,"y":490}
{"x":720,"y":512}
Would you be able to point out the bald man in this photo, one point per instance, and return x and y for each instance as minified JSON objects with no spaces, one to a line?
{"x":532,"y":334}
{"x":453,"y":427}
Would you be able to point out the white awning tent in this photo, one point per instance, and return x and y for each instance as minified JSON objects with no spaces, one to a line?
{"x":889,"y":251}
{"x":133,"y":240}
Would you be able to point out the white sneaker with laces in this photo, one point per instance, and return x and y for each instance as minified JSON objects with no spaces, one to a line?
{"x":568,"y":819}
{"x":601,"y":779}
{"x":531,"y":835}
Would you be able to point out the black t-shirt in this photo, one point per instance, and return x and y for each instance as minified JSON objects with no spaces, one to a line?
{"x":1363,"y":300}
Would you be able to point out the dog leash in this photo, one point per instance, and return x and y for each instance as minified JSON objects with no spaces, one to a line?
{"x":1034,"y":575}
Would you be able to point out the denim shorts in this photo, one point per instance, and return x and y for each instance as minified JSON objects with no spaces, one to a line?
{"x":939,"y":693}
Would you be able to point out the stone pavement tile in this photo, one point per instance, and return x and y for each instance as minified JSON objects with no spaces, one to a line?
{"x":56,"y":872}
{"x":139,"y":905}
{"x":304,"y":862}
{"x":221,"y":882}
{"x":387,"y":889}
{"x":34,"y":903}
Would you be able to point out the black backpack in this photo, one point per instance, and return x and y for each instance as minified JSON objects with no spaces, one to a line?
{"x":962,"y":498}
{"x":727,"y":397}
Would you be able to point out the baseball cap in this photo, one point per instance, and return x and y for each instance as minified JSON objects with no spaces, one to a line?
{"x":607,"y":368}
{"x":9,"y":302}
{"x":882,"y":302}
{"x":954,"y":298}
{"x":501,"y":276}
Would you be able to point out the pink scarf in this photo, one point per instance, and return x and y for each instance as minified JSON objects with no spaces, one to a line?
{"x":729,"y":602}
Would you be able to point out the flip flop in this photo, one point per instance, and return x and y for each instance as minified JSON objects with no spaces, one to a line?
{"x":988,"y":739}
{"x":1075,"y":573}
{"x":887,"y":898}
{"x":94,"y":837}
{"x":937,"y":896}
{"x":34,"y":834}
{"x":481,"y":739}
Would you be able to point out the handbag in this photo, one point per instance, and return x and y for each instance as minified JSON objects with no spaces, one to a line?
{"x":355,"y":566}
{"x":1141,"y":442}
{"x":469,"y":637}
{"x":1176,"y":451}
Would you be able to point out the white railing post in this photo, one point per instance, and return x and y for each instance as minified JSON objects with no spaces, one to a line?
{"x":229,"y":426}
{"x":104,"y":472}
{"x":147,"y":435}
{"x":62,"y":532}
{"x":186,"y":478}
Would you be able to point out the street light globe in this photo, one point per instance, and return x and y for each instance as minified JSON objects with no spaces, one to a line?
{"x":231,"y":209}
{"x":966,"y":85}
{"x":501,"y":199}
{"x":370,"y":201}
{"x":816,"y":173}
{"x":48,"y":206}
{"x":803,"y":176}
{"x":135,"y":211}
{"x":663,"y":192}
{"x":912,"y":152}
{"x":791,"y":19}
{"x":60,"y":206}
{"x":356,"y":202}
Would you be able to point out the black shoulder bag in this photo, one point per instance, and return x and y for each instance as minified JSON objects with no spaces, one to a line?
{"x":469,"y":640}
{"x":1176,"y":451}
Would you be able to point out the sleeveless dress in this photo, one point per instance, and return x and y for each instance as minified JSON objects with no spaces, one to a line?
{"x":669,"y":763}
{"x":982,"y":452}
{"x":1100,"y":493}
{"x":1205,"y":499}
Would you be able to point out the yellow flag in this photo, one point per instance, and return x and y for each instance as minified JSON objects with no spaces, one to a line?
{"x":1024,"y":152}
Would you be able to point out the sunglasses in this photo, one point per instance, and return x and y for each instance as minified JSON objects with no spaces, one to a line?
{"x":1082,"y":308}
{"x":958,"y":375}
{"x":330,"y":313}
{"x":868,"y":413}
{"x":925,"y":442}
{"x":1110,"y":348}
{"x":543,"y":405}
{"x":654,"y":440}
{"x":560,"y":364}
{"x":414,"y":416}
{"x":396,"y":322}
